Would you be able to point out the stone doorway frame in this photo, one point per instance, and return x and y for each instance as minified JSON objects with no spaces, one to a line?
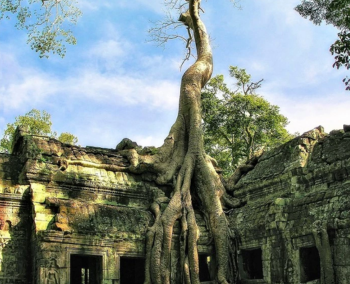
{"x":88,"y":252}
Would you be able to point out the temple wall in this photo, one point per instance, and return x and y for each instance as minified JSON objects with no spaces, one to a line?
{"x":65,"y":210}
{"x":296,"y":216}
{"x":15,"y":222}
{"x":84,"y":215}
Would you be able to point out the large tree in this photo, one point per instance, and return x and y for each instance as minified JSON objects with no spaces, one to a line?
{"x":336,"y":13}
{"x":239,"y":124}
{"x":181,"y":163}
{"x":36,"y":122}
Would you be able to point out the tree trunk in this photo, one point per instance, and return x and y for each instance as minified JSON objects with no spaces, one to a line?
{"x":182,"y":159}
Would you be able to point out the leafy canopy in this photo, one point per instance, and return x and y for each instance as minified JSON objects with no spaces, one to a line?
{"x":68,"y":138}
{"x":238,"y":124}
{"x":37,"y":123}
{"x":337,"y":13}
{"x":47,"y":22}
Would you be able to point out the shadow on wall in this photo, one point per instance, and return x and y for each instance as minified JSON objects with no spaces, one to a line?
{"x":15,"y":230}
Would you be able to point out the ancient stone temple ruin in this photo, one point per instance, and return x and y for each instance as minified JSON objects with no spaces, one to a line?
{"x":75,"y":215}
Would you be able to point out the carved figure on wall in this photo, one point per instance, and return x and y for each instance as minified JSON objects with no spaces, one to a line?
{"x":62,"y":221}
{"x":289,"y":271}
{"x":18,"y":190}
{"x":52,"y":275}
{"x":7,"y":190}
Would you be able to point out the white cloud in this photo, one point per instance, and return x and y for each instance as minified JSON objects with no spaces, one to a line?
{"x":306,"y":116}
{"x":123,"y":89}
{"x":30,"y":90}
{"x":23,"y":86}
{"x":152,"y":140}
{"x":108,"y":54}
{"x":276,"y":43}
{"x":106,"y":128}
{"x":90,"y":85}
{"x":109,"y":49}
{"x":307,"y":112}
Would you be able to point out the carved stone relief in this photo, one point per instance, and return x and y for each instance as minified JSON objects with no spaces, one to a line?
{"x":62,"y":221}
{"x":51,"y":273}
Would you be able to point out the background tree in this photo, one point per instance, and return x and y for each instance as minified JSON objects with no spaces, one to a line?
{"x":337,"y":13}
{"x":47,"y":22}
{"x":68,"y":138}
{"x":38,"y":123}
{"x":239,"y":123}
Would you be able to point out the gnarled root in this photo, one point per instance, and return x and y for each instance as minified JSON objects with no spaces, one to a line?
{"x":159,"y":237}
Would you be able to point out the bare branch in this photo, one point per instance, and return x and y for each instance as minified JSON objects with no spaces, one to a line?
{"x":253,"y":86}
{"x":170,"y":28}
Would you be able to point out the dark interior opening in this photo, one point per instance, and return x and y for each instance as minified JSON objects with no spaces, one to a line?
{"x":85,"y":269}
{"x":310,"y":268}
{"x":252,"y":263}
{"x":204,"y":267}
{"x":331,"y":236}
{"x":132,"y":270}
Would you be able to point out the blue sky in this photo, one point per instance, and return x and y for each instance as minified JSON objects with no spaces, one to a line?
{"x":114,"y":84}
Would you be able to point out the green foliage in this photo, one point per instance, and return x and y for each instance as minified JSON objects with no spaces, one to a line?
{"x":68,"y":138}
{"x":337,"y":13}
{"x":237,"y":124}
{"x":341,"y":49}
{"x":47,"y":22}
{"x":36,"y":123}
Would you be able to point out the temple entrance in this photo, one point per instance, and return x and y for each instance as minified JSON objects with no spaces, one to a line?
{"x":251,"y":264}
{"x":310,"y":264}
{"x":85,"y":269}
{"x":132,"y":270}
{"x":205,"y":268}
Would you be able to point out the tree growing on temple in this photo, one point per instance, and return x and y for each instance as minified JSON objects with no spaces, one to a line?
{"x":238,"y":124}
{"x":37,"y":123}
{"x":182,"y":164}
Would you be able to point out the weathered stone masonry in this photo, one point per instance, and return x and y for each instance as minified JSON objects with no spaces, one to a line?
{"x":296,"y":216}
{"x":70,"y":214}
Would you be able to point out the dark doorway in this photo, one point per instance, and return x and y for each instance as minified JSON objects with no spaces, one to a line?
{"x":85,"y":269}
{"x":204,"y":267}
{"x":132,"y":270}
{"x":310,"y":268}
{"x":252,"y":264}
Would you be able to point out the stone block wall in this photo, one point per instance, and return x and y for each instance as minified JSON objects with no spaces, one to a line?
{"x":87,"y":212}
{"x":297,"y":212}
{"x":15,"y":222}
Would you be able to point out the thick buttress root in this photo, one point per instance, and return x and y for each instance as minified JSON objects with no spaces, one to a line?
{"x":159,"y":238}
